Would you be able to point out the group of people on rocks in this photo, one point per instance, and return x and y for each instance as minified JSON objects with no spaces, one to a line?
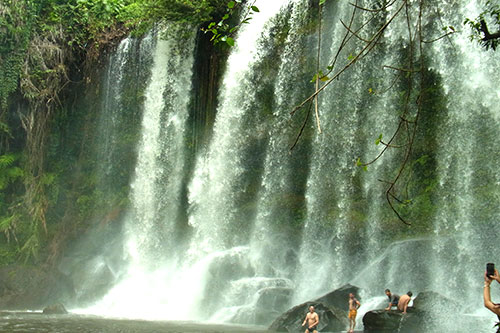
{"x":312,"y":318}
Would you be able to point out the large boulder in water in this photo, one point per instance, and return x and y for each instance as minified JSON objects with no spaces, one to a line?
{"x":393,"y":321}
{"x":429,"y":309}
{"x":329,"y":319}
{"x":332,"y":310}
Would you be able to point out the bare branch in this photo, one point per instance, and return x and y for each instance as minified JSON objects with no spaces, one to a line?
{"x":376,"y":10}
{"x":368,"y":47}
{"x":354,"y":33}
{"x":486,"y":32}
{"x":302,"y":128}
{"x":440,"y":37}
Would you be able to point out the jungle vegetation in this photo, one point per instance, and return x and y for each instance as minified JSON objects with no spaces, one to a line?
{"x":49,"y":48}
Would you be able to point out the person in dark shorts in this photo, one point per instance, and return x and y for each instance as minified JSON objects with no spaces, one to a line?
{"x":393,"y":299}
{"x":312,"y":320}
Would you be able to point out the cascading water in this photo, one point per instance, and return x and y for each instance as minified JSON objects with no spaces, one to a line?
{"x":155,"y":190}
{"x":269,"y":229}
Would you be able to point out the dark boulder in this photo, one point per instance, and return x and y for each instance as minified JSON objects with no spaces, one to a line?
{"x":332,"y":310}
{"x":57,"y":308}
{"x":393,"y":321}
{"x":329,"y":319}
{"x":428,"y":310}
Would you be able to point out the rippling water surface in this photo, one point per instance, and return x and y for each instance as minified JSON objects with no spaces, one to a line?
{"x":17,"y":322}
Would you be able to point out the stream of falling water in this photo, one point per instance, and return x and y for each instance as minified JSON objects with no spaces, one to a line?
{"x":270,"y":229}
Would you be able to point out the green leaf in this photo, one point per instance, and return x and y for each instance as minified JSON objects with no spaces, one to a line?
{"x":225,"y":17}
{"x":358,"y":162}
{"x":322,"y":2}
{"x":324,"y":78}
{"x":350,"y":57}
{"x":377,"y":141}
{"x":231,"y":4}
{"x":211,"y":25}
{"x":365,"y":168}
{"x":5,"y":223}
{"x":329,"y":68}
{"x":315,"y":77}
{"x":230,"y":41}
{"x":255,"y":9}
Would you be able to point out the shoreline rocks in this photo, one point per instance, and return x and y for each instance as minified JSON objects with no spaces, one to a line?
{"x":56,"y":308}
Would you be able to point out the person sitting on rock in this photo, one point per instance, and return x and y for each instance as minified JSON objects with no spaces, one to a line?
{"x":493,"y":307}
{"x":404,"y":301}
{"x":312,"y":320}
{"x":393,"y":299}
{"x":353,"y":311}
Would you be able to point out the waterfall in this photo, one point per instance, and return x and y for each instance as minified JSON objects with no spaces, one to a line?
{"x":150,"y":223}
{"x":117,"y":113}
{"x":267,"y":227}
{"x":468,"y":166}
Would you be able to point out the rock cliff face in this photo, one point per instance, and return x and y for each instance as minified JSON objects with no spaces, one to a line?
{"x":332,"y":310}
{"x":29,"y":288}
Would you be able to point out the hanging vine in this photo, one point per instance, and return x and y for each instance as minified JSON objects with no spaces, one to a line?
{"x":408,"y":123}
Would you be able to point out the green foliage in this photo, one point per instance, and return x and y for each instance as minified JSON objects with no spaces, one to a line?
{"x":490,"y":15}
{"x":141,"y":15}
{"x":225,"y":29}
{"x":31,"y":247}
{"x":16,"y":18}
{"x":84,"y":20}
{"x":8,"y":172}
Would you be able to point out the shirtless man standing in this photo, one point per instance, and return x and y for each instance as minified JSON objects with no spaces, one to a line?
{"x":353,"y":311}
{"x":312,"y":320}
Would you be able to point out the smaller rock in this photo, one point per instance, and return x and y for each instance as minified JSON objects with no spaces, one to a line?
{"x":57,"y":308}
{"x":393,"y":321}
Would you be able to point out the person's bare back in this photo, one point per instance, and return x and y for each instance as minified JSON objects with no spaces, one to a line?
{"x":404,"y":301}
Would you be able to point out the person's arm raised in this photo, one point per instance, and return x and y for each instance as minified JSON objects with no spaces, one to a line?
{"x":487,"y":296}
